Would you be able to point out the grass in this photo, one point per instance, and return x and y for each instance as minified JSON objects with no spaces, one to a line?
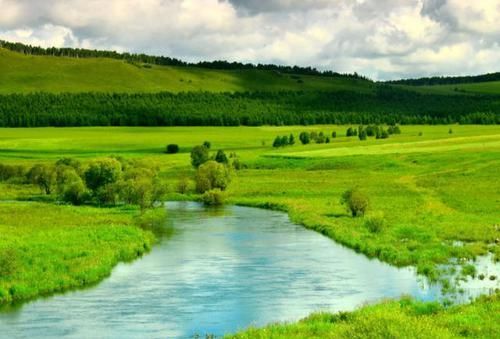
{"x":24,"y":74}
{"x":393,"y":319}
{"x":47,"y":248}
{"x":431,"y":187}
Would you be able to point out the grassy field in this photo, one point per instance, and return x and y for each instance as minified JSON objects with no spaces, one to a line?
{"x":24,"y":74}
{"x":433,"y":188}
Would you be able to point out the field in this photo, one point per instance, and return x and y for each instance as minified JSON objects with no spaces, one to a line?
{"x":434,"y":189}
{"x":25,"y":74}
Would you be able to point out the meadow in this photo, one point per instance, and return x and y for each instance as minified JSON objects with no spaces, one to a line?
{"x":436,"y":188}
{"x":26,"y":74}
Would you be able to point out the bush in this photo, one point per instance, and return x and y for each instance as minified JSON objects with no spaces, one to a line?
{"x":291,"y":140}
{"x":349,"y":132}
{"x":212,"y":175}
{"x":8,"y":262}
{"x":356,"y":202}
{"x":207,"y":144}
{"x":172,"y":149}
{"x":183,"y":185}
{"x":213,"y":197}
{"x":375,"y":223}
{"x":334,"y":135}
{"x":221,"y":157}
{"x":44,"y":176}
{"x":102,"y":172}
{"x":199,"y":155}
{"x":305,"y":138}
{"x":72,"y":188}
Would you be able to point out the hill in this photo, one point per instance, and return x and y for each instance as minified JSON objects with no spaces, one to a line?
{"x":21,"y":73}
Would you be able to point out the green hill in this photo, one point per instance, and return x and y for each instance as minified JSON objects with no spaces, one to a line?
{"x":20,"y":73}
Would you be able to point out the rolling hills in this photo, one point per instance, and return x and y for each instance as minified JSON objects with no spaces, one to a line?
{"x":21,"y":73}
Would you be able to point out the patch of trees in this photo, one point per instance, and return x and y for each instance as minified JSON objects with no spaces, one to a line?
{"x":448,"y":80}
{"x":282,"y":141}
{"x":167,"y":61}
{"x":250,"y":109}
{"x":106,"y":181}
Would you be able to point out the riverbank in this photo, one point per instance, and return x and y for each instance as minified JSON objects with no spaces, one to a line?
{"x":393,"y":319}
{"x":47,"y":248}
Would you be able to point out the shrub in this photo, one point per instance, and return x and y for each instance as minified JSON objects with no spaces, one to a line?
{"x":221,"y":157}
{"x":375,"y":223}
{"x":207,"y":144}
{"x":44,"y":176}
{"x":362,"y":133}
{"x":450,"y":131}
{"x":320,"y":139}
{"x":183,"y":185}
{"x":11,"y":171}
{"x":304,"y":138}
{"x":212,"y":175}
{"x":102,"y":172}
{"x":277,"y":142}
{"x":199,"y":155}
{"x":291,"y":139}
{"x":172,"y":149}
{"x":8,"y":262}
{"x":356,"y":202}
{"x":349,"y":132}
{"x":334,"y":135}
{"x":214,"y":197}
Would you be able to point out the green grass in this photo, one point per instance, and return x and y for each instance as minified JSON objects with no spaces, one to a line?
{"x":433,"y":189}
{"x":393,"y":319}
{"x":24,"y":74}
{"x":50,"y":248}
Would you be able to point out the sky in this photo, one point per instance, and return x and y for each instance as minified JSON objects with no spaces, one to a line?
{"x":381,"y":39}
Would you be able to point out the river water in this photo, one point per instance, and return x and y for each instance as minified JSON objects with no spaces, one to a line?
{"x":217,"y":272}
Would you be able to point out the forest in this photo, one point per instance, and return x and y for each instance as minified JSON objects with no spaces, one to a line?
{"x":387,"y":105}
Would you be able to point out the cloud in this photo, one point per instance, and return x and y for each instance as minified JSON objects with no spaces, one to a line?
{"x":383,"y":39}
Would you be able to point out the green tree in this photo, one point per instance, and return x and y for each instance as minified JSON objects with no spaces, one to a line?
{"x":221,"y":157}
{"x":334,"y":135}
{"x":356,"y":201}
{"x":199,"y":155}
{"x":291,"y":139}
{"x":207,"y":144}
{"x":102,"y":172}
{"x":44,"y":176}
{"x":172,"y":149}
{"x":305,"y":138}
{"x":277,"y":142}
{"x":212,"y":175}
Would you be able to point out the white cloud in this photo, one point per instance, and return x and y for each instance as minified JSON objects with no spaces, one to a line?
{"x":382,"y":39}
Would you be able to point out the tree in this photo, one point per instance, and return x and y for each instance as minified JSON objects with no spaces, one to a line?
{"x":334,"y":135}
{"x":207,"y":144}
{"x":102,"y":172}
{"x":284,"y":140}
{"x":44,"y":176}
{"x":172,"y":148}
{"x":356,"y":202}
{"x":214,"y":197}
{"x":212,"y":175}
{"x":70,"y":186}
{"x":277,"y":142}
{"x":350,"y":132}
{"x":221,"y":157}
{"x":291,"y":139}
{"x":362,"y":133}
{"x":304,"y":138}
{"x":199,"y":155}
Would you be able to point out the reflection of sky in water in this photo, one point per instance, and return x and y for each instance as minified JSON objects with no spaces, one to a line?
{"x":220,"y":271}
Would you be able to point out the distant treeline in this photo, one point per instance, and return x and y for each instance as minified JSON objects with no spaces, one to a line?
{"x":167,"y":61}
{"x":448,"y":80}
{"x":386,"y":105}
